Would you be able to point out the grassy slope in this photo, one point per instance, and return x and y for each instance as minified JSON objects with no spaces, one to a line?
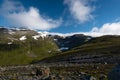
{"x":25,"y":52}
{"x":108,"y":45}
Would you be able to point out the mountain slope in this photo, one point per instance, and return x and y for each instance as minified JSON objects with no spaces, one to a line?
{"x":105,"y":49}
{"x":70,"y":42}
{"x":24,"y":46}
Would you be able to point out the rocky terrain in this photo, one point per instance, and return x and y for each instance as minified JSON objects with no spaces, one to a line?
{"x":40,"y":72}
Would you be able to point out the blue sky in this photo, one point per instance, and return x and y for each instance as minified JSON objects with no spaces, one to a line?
{"x":95,"y":17}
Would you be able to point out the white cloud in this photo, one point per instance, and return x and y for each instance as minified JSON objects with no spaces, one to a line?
{"x":19,"y":16}
{"x":93,"y":34}
{"x":80,"y":10}
{"x":109,"y":29}
{"x":106,"y":29}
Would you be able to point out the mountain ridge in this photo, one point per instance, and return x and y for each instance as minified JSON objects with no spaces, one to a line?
{"x":23,"y":46}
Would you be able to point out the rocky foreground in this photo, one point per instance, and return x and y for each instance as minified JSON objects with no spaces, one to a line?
{"x":76,"y":72}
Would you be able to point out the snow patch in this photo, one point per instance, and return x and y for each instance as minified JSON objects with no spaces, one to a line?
{"x":88,"y":38}
{"x":64,"y":48}
{"x":9,"y":43}
{"x":36,"y":37}
{"x":11,"y":32}
{"x":43,"y":34}
{"x":55,"y":39}
{"x":23,"y":38}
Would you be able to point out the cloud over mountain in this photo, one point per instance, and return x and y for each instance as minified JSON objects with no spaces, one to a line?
{"x":106,"y":29}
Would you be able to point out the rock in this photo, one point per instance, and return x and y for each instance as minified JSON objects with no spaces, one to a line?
{"x":115,"y":73}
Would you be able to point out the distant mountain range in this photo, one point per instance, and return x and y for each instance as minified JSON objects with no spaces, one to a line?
{"x":25,"y":46}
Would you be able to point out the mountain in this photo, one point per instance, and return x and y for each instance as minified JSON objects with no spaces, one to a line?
{"x":24,"y":46}
{"x":98,"y":50}
{"x":69,"y":42}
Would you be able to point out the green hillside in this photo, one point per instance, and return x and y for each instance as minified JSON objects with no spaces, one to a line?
{"x":16,"y":52}
{"x":107,"y":47}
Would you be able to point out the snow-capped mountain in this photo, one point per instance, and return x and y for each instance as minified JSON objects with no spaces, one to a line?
{"x":63,"y":42}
